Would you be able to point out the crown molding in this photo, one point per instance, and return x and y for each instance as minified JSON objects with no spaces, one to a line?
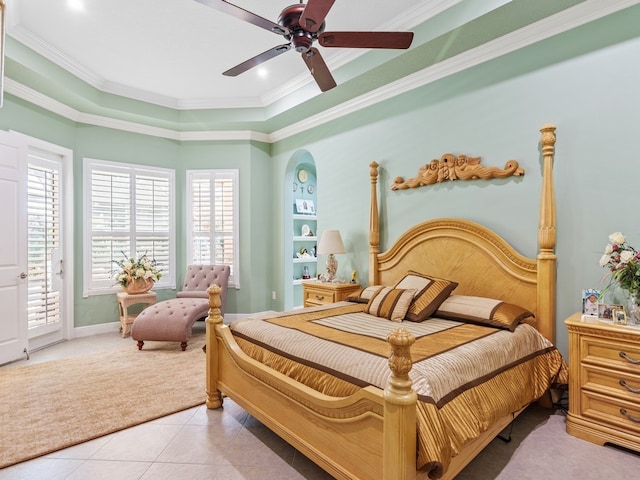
{"x":554,"y":25}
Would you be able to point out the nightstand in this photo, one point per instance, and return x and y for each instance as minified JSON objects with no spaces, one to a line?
{"x":321,"y":293}
{"x":604,"y":383}
{"x":125,"y":300}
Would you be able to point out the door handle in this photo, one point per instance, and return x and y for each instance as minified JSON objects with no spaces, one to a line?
{"x":23,"y":275}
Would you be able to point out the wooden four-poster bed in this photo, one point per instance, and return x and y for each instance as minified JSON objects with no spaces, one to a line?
{"x":419,"y":413}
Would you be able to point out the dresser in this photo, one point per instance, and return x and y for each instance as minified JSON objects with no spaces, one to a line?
{"x":320,"y":293}
{"x":604,"y":383}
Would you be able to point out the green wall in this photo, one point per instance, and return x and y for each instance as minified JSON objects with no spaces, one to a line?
{"x":495,"y":111}
{"x":585,"y":82}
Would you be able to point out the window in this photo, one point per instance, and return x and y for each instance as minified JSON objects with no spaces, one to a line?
{"x":212,"y":219}
{"x":128,"y":212}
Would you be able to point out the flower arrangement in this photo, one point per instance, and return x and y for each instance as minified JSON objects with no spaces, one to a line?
{"x":623,"y":262}
{"x":131,"y":269}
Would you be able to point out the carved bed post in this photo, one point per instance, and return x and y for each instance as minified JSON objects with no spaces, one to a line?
{"x":547,"y":239}
{"x":399,"y":447}
{"x":214,"y":397}
{"x":374,"y":227}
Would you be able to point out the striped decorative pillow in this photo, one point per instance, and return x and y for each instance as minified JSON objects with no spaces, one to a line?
{"x":483,"y":311}
{"x":430,"y":293}
{"x":390,"y":303}
{"x":363,"y":295}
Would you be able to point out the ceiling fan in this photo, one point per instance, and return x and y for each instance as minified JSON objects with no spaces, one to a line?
{"x":301,"y":25}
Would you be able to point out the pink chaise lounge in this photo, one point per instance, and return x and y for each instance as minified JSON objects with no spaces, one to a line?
{"x":172,"y":320}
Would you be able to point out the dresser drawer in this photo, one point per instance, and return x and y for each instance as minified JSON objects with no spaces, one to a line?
{"x":615,"y":413}
{"x":611,"y":353}
{"x":618,"y":383}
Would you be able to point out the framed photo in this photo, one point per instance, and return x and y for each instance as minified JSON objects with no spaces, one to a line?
{"x":619,"y":316}
{"x":305,"y":206}
{"x":605,"y":310}
{"x":590,"y":301}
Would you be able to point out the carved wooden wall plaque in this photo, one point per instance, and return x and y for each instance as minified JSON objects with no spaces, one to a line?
{"x":452,"y":167}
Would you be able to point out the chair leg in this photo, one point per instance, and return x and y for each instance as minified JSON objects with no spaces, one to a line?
{"x":183,"y":345}
{"x":140,"y":344}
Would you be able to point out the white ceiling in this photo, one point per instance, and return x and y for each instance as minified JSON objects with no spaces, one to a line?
{"x":173,"y":52}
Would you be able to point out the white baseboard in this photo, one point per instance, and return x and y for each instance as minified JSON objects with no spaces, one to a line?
{"x":95,"y":329}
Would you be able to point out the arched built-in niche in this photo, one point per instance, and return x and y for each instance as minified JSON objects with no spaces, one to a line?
{"x":300,"y":223}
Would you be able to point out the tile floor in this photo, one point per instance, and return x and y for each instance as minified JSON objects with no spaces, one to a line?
{"x":196,"y":444}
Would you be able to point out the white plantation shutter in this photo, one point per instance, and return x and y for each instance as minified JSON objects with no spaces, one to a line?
{"x":129,"y":213}
{"x":43,"y":210}
{"x":212,"y":229}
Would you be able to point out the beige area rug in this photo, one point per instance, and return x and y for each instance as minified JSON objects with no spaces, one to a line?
{"x":53,"y":405}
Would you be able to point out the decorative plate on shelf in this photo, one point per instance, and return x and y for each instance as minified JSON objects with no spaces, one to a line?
{"x":295,"y":186}
{"x":305,"y":230}
{"x":310,"y":188}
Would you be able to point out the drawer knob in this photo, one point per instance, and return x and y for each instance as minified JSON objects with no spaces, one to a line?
{"x":319,"y":297}
{"x":629,"y":387}
{"x":629,"y":359}
{"x":630,"y":417}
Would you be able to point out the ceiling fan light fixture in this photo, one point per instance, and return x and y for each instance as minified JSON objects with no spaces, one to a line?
{"x":301,"y":25}
{"x":302,"y":40}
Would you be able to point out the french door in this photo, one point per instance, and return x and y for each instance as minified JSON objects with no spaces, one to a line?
{"x":35,"y":279}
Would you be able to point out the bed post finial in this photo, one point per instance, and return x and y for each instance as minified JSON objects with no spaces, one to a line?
{"x":399,"y":460}
{"x":214,"y":397}
{"x":547,"y":238}
{"x":374,"y":226}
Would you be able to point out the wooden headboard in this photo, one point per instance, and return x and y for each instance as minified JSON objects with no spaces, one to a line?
{"x":485,"y":264}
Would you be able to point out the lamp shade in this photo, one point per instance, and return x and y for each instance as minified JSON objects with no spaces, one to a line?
{"x":330,"y":242}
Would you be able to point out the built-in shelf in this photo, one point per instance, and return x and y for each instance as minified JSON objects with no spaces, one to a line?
{"x":301,"y":238}
{"x":304,"y":236}
{"x":305,"y":260}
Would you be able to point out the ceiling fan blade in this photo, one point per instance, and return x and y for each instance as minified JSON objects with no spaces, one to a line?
{"x":314,"y":13}
{"x":399,"y":40}
{"x":257,"y":60}
{"x":245,"y":15}
{"x":319,"y":70}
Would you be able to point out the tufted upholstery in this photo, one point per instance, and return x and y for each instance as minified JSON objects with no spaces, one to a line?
{"x":172,"y":320}
{"x":200,"y":277}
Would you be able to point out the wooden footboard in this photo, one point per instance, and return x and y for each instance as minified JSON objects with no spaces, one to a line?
{"x":345,"y":436}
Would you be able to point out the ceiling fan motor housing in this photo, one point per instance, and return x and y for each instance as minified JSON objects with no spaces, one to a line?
{"x":301,"y":38}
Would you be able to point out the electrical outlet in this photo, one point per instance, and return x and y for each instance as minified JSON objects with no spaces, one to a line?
{"x":273,"y":295}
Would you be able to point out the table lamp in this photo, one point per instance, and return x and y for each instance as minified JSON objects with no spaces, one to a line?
{"x":331,"y":243}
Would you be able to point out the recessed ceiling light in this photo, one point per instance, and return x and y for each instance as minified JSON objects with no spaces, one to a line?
{"x":76,"y":4}
{"x":263,"y":72}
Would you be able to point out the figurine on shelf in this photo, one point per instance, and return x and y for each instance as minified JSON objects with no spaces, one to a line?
{"x":303,"y":254}
{"x":354,"y":276}
{"x":305,"y":273}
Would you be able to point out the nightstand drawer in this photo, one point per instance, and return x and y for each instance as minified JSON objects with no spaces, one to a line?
{"x":318,"y":296}
{"x":611,"y":382}
{"x":320,"y":293}
{"x":611,"y":353}
{"x":610,"y":411}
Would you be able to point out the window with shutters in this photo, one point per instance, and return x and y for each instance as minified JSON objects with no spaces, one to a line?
{"x":129,"y":211}
{"x":212,"y":219}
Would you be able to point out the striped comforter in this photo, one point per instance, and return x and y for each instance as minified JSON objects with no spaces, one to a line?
{"x":466,"y":376}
